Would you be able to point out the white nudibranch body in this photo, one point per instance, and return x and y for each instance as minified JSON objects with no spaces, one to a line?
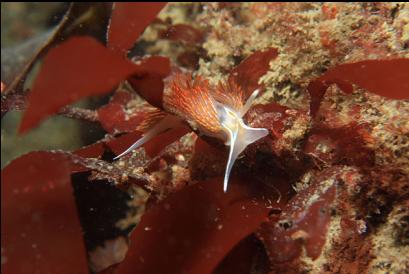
{"x":216,"y":119}
{"x":239,"y":135}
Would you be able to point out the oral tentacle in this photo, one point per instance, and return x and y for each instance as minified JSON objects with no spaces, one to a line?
{"x":252,"y":134}
{"x":248,"y":103}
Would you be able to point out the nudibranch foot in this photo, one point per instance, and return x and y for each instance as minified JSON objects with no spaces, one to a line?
{"x":239,"y":135}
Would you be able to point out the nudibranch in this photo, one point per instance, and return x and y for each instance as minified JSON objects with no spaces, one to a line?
{"x":213,"y":111}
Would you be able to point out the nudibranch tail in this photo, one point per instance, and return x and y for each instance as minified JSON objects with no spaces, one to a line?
{"x":166,"y":123}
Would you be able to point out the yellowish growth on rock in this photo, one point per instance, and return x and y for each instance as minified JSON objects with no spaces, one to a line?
{"x":389,"y":256}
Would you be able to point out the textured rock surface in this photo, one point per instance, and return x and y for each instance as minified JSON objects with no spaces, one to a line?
{"x":333,"y":173}
{"x":354,"y":148}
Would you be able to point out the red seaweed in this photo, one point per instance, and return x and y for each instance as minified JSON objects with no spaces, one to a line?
{"x":249,"y":71}
{"x":189,"y":59}
{"x":76,"y":69}
{"x":182,"y":32}
{"x":40,"y":229}
{"x":193,"y":229}
{"x":303,"y":222}
{"x":386,"y":78}
{"x":149,"y":83}
{"x":285,"y":190}
{"x":116,"y":118}
{"x":339,"y":145}
{"x":89,"y":69}
{"x":128,"y":21}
